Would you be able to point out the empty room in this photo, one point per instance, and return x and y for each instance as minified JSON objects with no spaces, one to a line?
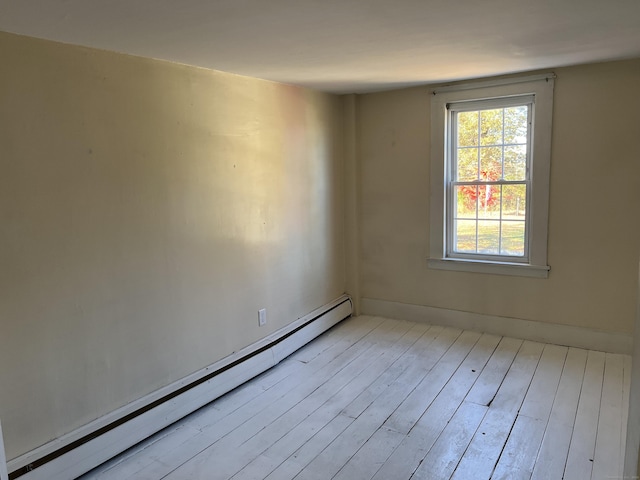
{"x":356,"y":240}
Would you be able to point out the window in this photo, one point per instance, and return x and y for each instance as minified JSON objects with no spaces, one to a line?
{"x":488,"y":179}
{"x":490,"y":158}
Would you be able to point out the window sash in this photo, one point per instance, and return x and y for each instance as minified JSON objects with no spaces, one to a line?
{"x":451,"y":172}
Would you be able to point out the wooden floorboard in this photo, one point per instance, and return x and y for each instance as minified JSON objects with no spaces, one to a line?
{"x":383,"y":399}
{"x":608,"y":441}
{"x":518,"y":458}
{"x":480,"y":458}
{"x":552,"y":456}
{"x":580,"y":458}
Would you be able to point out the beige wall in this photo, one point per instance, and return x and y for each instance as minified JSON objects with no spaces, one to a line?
{"x":594,"y":228}
{"x":147,"y":211}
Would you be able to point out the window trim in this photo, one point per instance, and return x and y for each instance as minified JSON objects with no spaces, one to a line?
{"x":541,"y":88}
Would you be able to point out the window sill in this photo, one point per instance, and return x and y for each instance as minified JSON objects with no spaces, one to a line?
{"x":496,"y":268}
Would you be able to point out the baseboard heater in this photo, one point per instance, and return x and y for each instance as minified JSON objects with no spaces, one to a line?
{"x":91,"y":445}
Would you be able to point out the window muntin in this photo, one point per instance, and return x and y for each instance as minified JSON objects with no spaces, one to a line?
{"x":488,"y":188}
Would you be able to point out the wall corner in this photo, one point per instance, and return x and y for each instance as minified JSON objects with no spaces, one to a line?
{"x":3,"y":459}
{"x":352,"y":199}
{"x":632,"y":447}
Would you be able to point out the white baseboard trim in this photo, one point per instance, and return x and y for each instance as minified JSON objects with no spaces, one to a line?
{"x":3,"y":459}
{"x":510,"y":327}
{"x":77,"y":452}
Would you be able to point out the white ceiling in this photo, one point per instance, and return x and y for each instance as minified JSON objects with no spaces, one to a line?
{"x":343,"y":46}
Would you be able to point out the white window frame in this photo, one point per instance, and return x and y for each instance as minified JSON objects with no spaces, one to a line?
{"x":540,"y":87}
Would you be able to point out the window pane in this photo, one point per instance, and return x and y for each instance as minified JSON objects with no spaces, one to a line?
{"x":514,"y":202}
{"x":488,"y":236}
{"x":467,"y":170}
{"x":491,"y":163}
{"x":465,"y":241}
{"x":515,"y":162}
{"x":512,"y":238}
{"x":489,"y":201}
{"x":491,"y":146}
{"x":467,"y":129}
{"x":466,"y":197}
{"x":491,"y":127}
{"x":515,"y":124}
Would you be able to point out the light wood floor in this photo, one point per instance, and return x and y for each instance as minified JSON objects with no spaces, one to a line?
{"x":389,"y":400}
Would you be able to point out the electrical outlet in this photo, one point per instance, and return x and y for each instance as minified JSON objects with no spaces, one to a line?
{"x":262,"y":317}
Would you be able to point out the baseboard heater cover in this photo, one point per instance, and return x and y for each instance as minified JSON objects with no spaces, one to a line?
{"x":91,"y":445}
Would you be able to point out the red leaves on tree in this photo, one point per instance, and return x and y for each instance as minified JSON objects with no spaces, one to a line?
{"x":486,"y":195}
